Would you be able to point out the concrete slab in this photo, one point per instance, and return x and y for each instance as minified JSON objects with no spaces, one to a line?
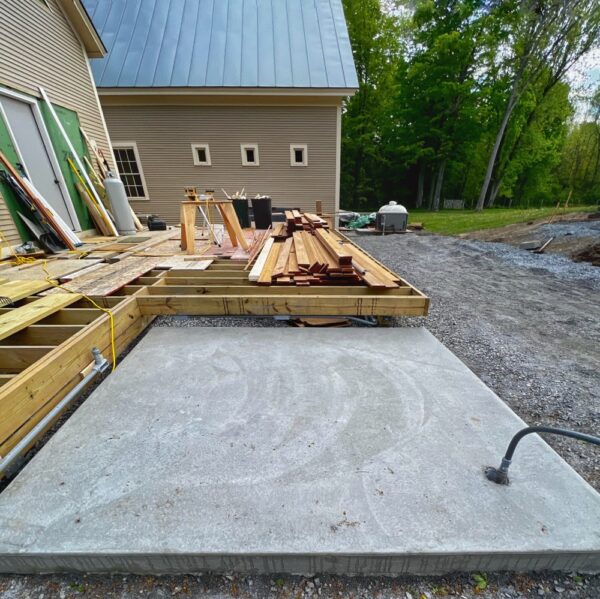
{"x":300,"y":450}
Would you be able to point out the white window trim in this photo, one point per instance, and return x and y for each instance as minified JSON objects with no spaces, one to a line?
{"x":39,"y":119}
{"x":132,"y":144}
{"x":293,"y":148}
{"x":204,"y":147}
{"x":243,"y":148}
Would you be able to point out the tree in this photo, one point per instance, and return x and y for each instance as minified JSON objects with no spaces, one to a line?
{"x":547,"y":38}
{"x":437,"y":90}
{"x":375,"y":46}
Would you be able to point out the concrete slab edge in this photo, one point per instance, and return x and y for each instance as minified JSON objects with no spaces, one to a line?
{"x":344,"y":564}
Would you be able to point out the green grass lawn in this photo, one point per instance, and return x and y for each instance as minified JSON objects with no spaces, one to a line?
{"x":454,"y":222}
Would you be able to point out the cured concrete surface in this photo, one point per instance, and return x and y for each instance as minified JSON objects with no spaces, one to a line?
{"x":294,"y":450}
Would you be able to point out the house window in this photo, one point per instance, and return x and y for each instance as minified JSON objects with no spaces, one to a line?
{"x":201,"y":153}
{"x":249,"y":154}
{"x":130,"y":170}
{"x":299,"y":155}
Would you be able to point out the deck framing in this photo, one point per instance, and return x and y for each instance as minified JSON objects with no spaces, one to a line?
{"x":43,"y":359}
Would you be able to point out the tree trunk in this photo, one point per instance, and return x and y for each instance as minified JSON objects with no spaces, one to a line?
{"x":438,"y":185}
{"x":512,"y":101}
{"x":420,"y":185}
{"x":494,"y":192}
{"x":431,"y":190}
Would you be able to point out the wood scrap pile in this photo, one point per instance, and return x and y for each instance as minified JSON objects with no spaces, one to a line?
{"x":303,"y":252}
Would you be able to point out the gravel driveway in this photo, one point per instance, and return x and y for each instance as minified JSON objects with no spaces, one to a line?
{"x":528,"y":325}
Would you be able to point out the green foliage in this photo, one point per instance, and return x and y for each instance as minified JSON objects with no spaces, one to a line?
{"x":435,"y":79}
{"x":480,"y":581}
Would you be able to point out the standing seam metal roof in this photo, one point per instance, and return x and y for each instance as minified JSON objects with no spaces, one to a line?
{"x":223,"y":43}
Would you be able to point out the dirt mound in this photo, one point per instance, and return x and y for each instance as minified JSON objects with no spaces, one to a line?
{"x":589,"y":254}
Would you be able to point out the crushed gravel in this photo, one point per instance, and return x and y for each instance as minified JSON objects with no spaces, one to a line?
{"x":528,"y":325}
{"x":589,"y":228}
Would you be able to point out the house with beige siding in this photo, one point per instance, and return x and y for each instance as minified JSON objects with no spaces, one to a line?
{"x":224,"y":94}
{"x":48,"y":44}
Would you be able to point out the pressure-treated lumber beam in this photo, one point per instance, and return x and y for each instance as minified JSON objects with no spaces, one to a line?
{"x":73,"y":315}
{"x":29,"y":395}
{"x":206,"y":274}
{"x":269,"y":305}
{"x":15,"y":358}
{"x":5,"y":378}
{"x":20,"y":318}
{"x":217,"y":289}
{"x":42,"y":334}
{"x":221,"y":280}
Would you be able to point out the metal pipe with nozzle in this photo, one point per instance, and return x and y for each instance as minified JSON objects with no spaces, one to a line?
{"x":100,"y":365}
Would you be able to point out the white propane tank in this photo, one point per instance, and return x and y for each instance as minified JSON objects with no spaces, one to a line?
{"x":121,"y":211}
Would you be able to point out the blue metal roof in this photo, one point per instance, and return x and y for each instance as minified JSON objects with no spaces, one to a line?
{"x":223,"y":43}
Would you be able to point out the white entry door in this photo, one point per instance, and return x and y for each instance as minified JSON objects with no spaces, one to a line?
{"x":37,"y":156}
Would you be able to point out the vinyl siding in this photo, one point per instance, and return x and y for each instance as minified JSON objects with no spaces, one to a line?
{"x":38,"y":47}
{"x":165,"y":134}
{"x":8,"y":228}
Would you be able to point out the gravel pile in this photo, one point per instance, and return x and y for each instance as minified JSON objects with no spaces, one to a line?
{"x":587,"y":228}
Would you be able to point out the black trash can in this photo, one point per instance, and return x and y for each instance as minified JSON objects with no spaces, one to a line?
{"x":241,"y":209}
{"x":262,"y":212}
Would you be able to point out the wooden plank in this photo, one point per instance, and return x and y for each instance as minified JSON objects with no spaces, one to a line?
{"x":266,"y":274}
{"x":188,"y":226}
{"x":301,"y":253}
{"x":73,"y":315}
{"x":205,"y":274}
{"x":84,"y":271}
{"x":257,"y":247}
{"x":234,"y":289}
{"x":26,"y":398}
{"x":5,"y":378}
{"x":13,"y":291}
{"x":220,"y":280}
{"x":111,"y":277}
{"x":260,"y":261}
{"x":41,"y":269}
{"x":283,"y":258}
{"x":333,"y":246}
{"x":42,"y":334}
{"x":291,"y":304}
{"x":44,"y":209}
{"x":15,"y":358}
{"x":183,"y":262}
{"x":233,"y":224}
{"x":22,"y":317}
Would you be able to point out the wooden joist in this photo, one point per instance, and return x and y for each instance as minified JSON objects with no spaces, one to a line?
{"x":27,"y":397}
{"x":293,"y":303}
{"x":20,"y":318}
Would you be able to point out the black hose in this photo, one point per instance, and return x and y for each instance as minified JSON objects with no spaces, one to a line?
{"x":547,"y":429}
{"x":500,"y":475}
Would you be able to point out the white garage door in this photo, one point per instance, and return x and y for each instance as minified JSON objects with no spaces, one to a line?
{"x":37,"y":156}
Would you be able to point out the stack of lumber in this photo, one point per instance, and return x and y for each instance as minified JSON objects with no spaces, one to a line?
{"x":296,"y":220}
{"x":304,"y":252}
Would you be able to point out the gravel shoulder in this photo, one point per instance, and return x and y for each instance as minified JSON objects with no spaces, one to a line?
{"x":528,"y":325}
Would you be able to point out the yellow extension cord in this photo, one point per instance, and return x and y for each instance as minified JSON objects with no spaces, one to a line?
{"x":27,"y":260}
